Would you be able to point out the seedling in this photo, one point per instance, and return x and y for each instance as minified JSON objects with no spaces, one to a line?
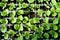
{"x":2,"y":4}
{"x":46,"y":35}
{"x":5,"y":36}
{"x":11,"y":6}
{"x":11,"y":32}
{"x":24,"y":5}
{"x":55,"y":21}
{"x":19,"y":12}
{"x":5,"y":0}
{"x":31,"y":1}
{"x":16,"y":26}
{"x":19,"y":0}
{"x":27,"y":35}
{"x":3,"y":28}
{"x":13,"y":20}
{"x":40,"y":1}
{"x":5,"y":12}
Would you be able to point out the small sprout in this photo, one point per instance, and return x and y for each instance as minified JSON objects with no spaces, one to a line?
{"x":16,"y":26}
{"x":20,"y":37}
{"x":28,"y":24}
{"x":13,"y":14}
{"x":3,"y":28}
{"x":11,"y":6}
{"x":11,"y":32}
{"x":38,"y":6}
{"x":46,"y":35}
{"x":20,"y":17}
{"x":21,"y":27}
{"x":5,"y":0}
{"x":24,"y":5}
{"x":58,"y":10}
{"x":2,"y":4}
{"x":40,"y":1}
{"x":4,"y":21}
{"x":5,"y":36}
{"x":34,"y":20}
{"x":55,"y":21}
{"x":40,"y":29}
{"x":5,"y":12}
{"x":55,"y":27}
{"x":27,"y":34}
{"x":55,"y":35}
{"x":40,"y":12}
{"x":13,"y":20}
{"x":52,"y":9}
{"x":26,"y":18}
{"x":54,"y":14}
{"x":32,"y":6}
{"x":19,"y":12}
{"x":46,"y":20}
{"x":19,"y":6}
{"x":33,"y":27}
{"x":48,"y":13}
{"x":19,"y":0}
{"x":46,"y":26}
{"x":31,"y":1}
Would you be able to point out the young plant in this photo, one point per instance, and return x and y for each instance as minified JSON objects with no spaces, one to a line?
{"x":40,"y":12}
{"x":34,"y":20}
{"x":55,"y":27}
{"x":16,"y":26}
{"x":3,"y":28}
{"x":38,"y":6}
{"x":24,"y":5}
{"x":5,"y":35}
{"x":54,"y":34}
{"x":2,"y":4}
{"x":32,"y":6}
{"x":27,"y":35}
{"x":55,"y":21}
{"x":20,"y":37}
{"x":13,"y":20}
{"x":4,"y":21}
{"x":11,"y":6}
{"x":30,"y":1}
{"x":40,"y":1}
{"x":19,"y":0}
{"x":46,"y":35}
{"x":26,"y":18}
{"x":21,"y":27}
{"x":48,"y":13}
{"x":19,"y":12}
{"x":5,"y":12}
{"x":13,"y":14}
{"x":19,"y":19}
{"x":4,"y":0}
{"x":11,"y":32}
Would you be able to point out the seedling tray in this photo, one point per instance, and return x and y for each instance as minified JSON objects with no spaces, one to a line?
{"x":29,"y":19}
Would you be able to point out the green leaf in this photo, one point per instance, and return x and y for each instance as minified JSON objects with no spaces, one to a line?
{"x":40,"y":12}
{"x":26,"y":18}
{"x":20,"y":17}
{"x":54,"y":14}
{"x":16,"y":26}
{"x":11,"y":32}
{"x":38,"y":6}
{"x":46,"y":19}
{"x":55,"y":21}
{"x":40,"y":1}
{"x":55,"y":35}
{"x":4,"y":21}
{"x":5,"y":36}
{"x":11,"y":6}
{"x":46,"y":35}
{"x":24,"y":5}
{"x":5,"y":12}
{"x":21,"y":27}
{"x":19,"y":0}
{"x":13,"y":20}
{"x":55,"y":27}
{"x":2,"y":4}
{"x":5,"y":0}
{"x":19,"y":12}
{"x":48,"y":13}
{"x":27,"y":34}
{"x":3,"y":28}
{"x":13,"y":14}
{"x":31,"y":1}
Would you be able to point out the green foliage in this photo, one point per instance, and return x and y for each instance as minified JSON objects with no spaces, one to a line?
{"x":31,"y":1}
{"x":5,"y":12}
{"x":46,"y":35}
{"x":3,"y":28}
